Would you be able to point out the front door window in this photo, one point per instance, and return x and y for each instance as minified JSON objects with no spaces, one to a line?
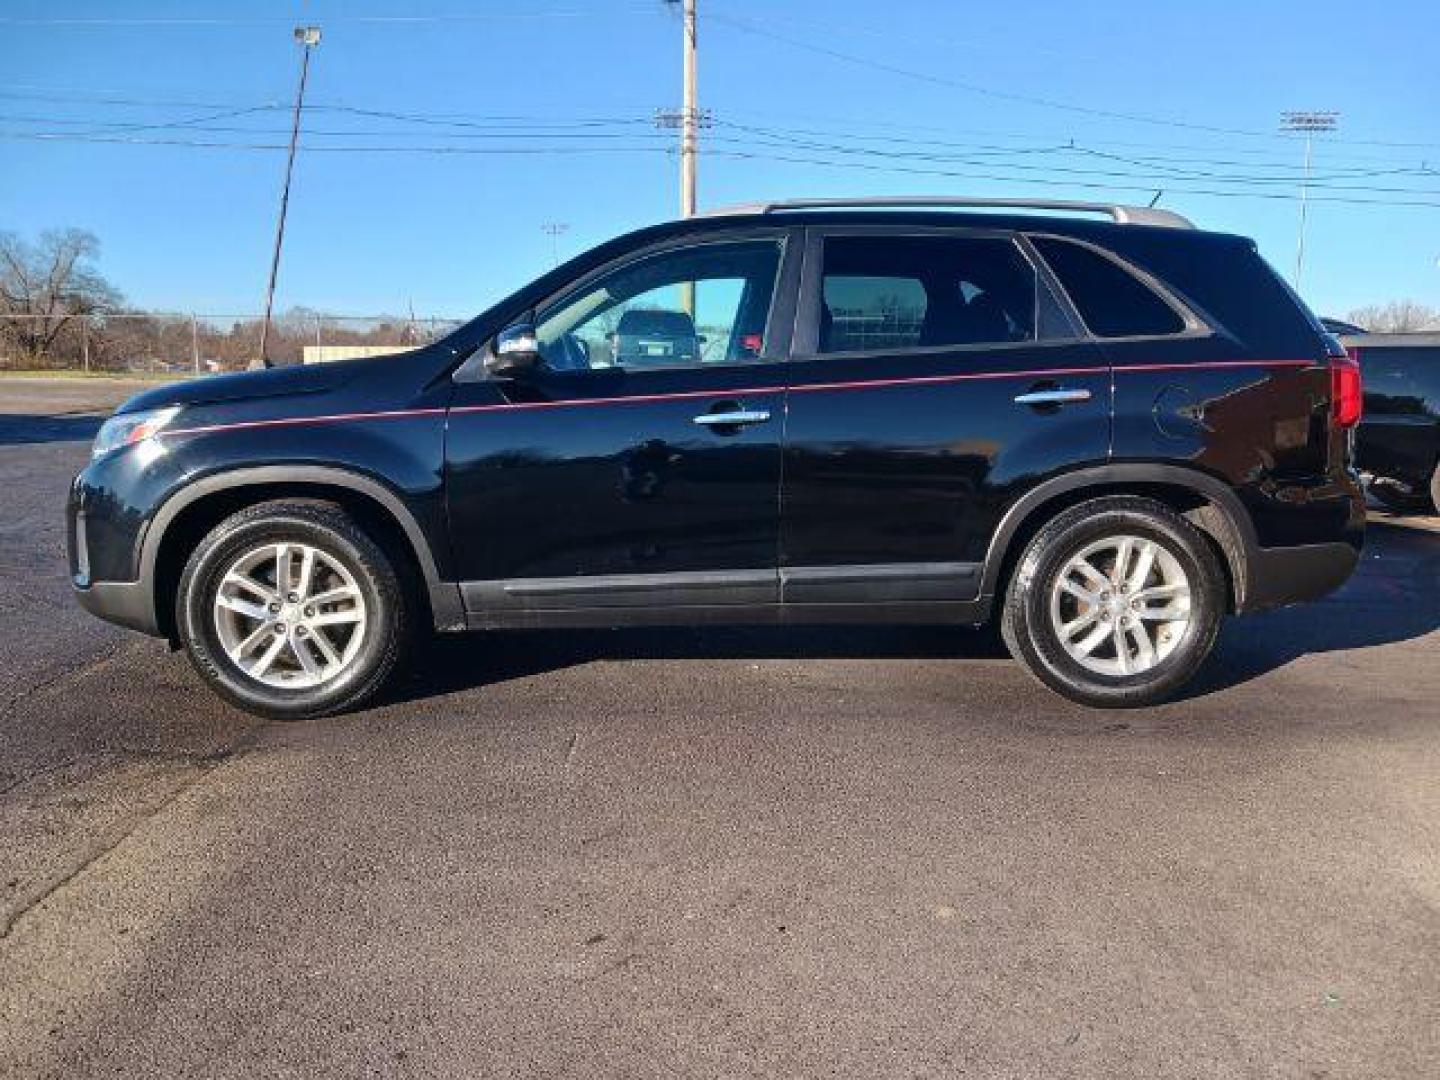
{"x":700,"y":306}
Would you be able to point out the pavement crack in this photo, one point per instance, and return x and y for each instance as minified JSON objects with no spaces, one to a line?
{"x":85,"y":668}
{"x":124,"y":829}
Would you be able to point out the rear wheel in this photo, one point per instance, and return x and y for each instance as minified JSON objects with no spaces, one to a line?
{"x":1115,"y":603}
{"x":289,"y":610}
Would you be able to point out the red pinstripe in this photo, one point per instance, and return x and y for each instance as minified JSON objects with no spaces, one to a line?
{"x":752,"y":391}
{"x":291,"y":421}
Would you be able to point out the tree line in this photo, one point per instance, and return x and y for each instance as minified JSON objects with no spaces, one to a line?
{"x":57,"y":311}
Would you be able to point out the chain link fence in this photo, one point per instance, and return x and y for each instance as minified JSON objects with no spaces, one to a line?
{"x":190,"y":343}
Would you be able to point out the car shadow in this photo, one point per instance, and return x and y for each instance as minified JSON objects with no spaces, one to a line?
{"x":1394,"y":596}
{"x":452,"y":663}
{"x":19,"y":429}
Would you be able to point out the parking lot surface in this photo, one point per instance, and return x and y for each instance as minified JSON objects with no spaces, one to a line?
{"x":724,"y":852}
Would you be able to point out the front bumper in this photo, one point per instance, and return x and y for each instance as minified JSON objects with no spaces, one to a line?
{"x":130,"y":604}
{"x":125,"y":603}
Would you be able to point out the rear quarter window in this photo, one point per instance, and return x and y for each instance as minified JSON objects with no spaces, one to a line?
{"x":1224,"y":280}
{"x":1112,"y":301}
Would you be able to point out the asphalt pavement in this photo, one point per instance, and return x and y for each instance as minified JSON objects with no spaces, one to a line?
{"x":721,"y":852}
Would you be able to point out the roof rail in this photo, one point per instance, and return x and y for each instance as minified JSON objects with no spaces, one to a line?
{"x":1124,"y":215}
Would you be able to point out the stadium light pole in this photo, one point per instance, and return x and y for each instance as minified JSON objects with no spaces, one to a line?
{"x":553,"y":229}
{"x":1309,"y":123}
{"x":307,"y":37}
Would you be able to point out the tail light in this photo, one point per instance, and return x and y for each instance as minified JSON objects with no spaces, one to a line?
{"x":1346,"y":395}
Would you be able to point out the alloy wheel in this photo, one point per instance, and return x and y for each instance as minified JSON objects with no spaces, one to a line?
{"x":290,"y":615}
{"x":1121,"y":605}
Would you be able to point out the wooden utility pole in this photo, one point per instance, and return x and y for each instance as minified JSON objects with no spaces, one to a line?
{"x":689,"y":119}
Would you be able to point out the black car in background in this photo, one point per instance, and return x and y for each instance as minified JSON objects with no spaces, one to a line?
{"x":1397,"y":445}
{"x":1102,"y":427}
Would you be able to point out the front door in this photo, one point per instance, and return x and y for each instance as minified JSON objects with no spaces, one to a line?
{"x":639,"y":465}
{"x":934,"y":378}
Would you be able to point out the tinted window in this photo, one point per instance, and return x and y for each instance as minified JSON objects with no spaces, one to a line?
{"x":701,"y":305}
{"x":1111,"y":300}
{"x":913,"y":292}
{"x":1226,"y":280}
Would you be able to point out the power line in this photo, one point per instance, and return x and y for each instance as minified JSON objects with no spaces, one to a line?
{"x":1322,"y":182}
{"x":1141,"y":183}
{"x":455,"y":126}
{"x":64,"y":137}
{"x":909,"y":170}
{"x":114,"y":98}
{"x":772,"y":137}
{"x":387,"y":20}
{"x":749,"y":27}
{"x":1150,"y":177}
{"x":937,"y":140}
{"x":592,"y":129}
{"x":336,"y":133}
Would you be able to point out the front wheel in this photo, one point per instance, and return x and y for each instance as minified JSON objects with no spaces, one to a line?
{"x":1115,"y":603}
{"x":289,"y":610}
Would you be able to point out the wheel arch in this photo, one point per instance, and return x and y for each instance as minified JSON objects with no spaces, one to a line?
{"x":188,"y":515}
{"x":1206,"y":501}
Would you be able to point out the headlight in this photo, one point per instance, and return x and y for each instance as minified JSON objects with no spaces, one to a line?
{"x":131,"y":428}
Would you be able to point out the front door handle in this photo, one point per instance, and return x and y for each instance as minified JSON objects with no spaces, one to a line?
{"x":734,"y":418}
{"x":1052,"y":397}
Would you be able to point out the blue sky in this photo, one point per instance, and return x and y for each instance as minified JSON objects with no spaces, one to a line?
{"x":819,"y":96}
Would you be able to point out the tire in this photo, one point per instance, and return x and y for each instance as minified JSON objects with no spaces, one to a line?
{"x":228,"y":622}
{"x":1036,"y":605}
{"x":1402,"y":498}
{"x":1435,"y":490}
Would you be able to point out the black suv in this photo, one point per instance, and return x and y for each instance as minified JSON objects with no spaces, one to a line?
{"x":1106,"y":424}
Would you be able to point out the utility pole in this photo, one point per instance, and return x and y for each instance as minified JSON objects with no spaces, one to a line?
{"x":1308,"y":123}
{"x":689,"y":120}
{"x":307,"y":37}
{"x":553,"y":229}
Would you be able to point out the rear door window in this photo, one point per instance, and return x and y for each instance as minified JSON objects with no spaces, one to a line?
{"x":1112,"y":301}
{"x":892,"y":293}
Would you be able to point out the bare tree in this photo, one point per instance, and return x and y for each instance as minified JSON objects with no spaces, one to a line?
{"x":1396,"y":317}
{"x":46,"y":286}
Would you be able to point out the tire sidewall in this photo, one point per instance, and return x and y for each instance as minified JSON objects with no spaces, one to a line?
{"x":201,"y":582}
{"x":1049,"y":554}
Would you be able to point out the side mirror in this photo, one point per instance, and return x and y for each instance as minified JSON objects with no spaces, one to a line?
{"x":515,"y":349}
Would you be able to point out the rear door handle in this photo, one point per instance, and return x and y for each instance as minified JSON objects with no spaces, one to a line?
{"x":733,"y":419}
{"x":1052,"y":397}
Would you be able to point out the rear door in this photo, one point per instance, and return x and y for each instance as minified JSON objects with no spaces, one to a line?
{"x":934,"y":379}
